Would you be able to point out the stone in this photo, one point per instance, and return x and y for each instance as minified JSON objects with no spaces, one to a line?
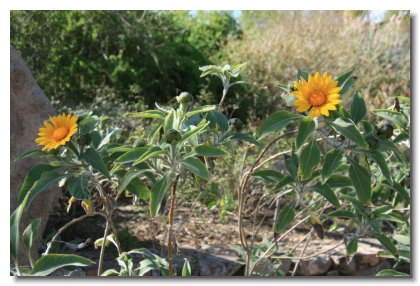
{"x":347,"y":266}
{"x":29,"y":107}
{"x":371,"y":271}
{"x":370,"y":259}
{"x":333,"y":272}
{"x":317,"y":266}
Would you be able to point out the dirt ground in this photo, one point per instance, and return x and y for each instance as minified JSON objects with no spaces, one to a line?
{"x":196,"y":229}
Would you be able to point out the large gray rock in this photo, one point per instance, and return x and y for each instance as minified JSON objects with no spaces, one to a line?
{"x":29,"y":107}
{"x":319,"y":265}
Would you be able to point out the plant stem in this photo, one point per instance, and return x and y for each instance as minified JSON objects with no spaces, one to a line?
{"x":17,"y":268}
{"x":115,"y":233}
{"x":308,"y":237}
{"x":171,"y":222}
{"x":63,"y":228}
{"x":101,"y":256}
{"x":223,"y":97}
{"x":242,"y":187}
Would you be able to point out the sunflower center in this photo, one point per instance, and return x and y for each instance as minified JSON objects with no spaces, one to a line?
{"x":60,"y":133}
{"x":317,"y":98}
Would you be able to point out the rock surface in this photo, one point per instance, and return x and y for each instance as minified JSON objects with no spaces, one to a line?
{"x":29,"y":107}
{"x":317,"y":266}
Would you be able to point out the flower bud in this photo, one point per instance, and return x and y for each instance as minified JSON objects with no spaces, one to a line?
{"x":185,"y":98}
{"x":140,"y":143}
{"x":236,"y":123}
{"x":384,"y":130}
{"x":172,"y":137}
{"x":84,"y":139}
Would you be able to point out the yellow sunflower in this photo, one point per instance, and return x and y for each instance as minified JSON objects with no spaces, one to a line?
{"x":319,"y":95}
{"x":57,"y":131}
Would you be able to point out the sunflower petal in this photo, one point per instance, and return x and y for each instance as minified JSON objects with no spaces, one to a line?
{"x":324,"y":110}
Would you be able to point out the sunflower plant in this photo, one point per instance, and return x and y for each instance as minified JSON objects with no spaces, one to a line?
{"x":342,"y":165}
{"x":76,"y":148}
{"x":182,"y":144}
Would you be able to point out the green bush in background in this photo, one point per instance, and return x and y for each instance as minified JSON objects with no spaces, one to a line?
{"x":117,"y":61}
{"x":135,"y":56}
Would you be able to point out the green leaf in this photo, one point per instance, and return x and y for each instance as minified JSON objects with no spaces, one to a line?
{"x":341,"y":213}
{"x":154,"y":133}
{"x":285,"y":181}
{"x":14,"y":232}
{"x":308,"y":160}
{"x":132,"y":155}
{"x":390,"y":272}
{"x":361,"y":181}
{"x":221,"y":119}
{"x":389,"y":217}
{"x":139,"y":189}
{"x":351,"y":247}
{"x":202,"y":109}
{"x":195,"y":166}
{"x":268,"y":175}
{"x":51,"y":262}
{"x":358,"y":108}
{"x":238,"y":67}
{"x":210,"y":69}
{"x":129,"y":176}
{"x":92,"y":157}
{"x":386,"y":242}
{"x":95,"y":138}
{"x":148,"y":114}
{"x":186,"y":269}
{"x":151,"y":153}
{"x":119,"y":149}
{"x":107,"y":138}
{"x":331,"y":163}
{"x":194,"y":130}
{"x":356,"y":204}
{"x":345,"y":81}
{"x":306,"y":127}
{"x":403,"y":192}
{"x":380,"y":161}
{"x":277,"y":121}
{"x":108,"y":240}
{"x":338,"y":181}
{"x":32,"y":176}
{"x":30,"y":234}
{"x":347,"y":128}
{"x":32,"y":153}
{"x":385,"y":209}
{"x":303,"y":74}
{"x":157,"y":194}
{"x":326,"y":191}
{"x":402,"y":239}
{"x":110,"y":272}
{"x":78,"y":187}
{"x":388,"y":145}
{"x":393,"y":116}
{"x":292,"y":163}
{"x":206,"y":150}
{"x":88,"y":124}
{"x":45,"y":181}
{"x":401,"y":137}
{"x":169,"y":121}
{"x":151,"y":261}
{"x":285,"y":217}
{"x":246,"y":137}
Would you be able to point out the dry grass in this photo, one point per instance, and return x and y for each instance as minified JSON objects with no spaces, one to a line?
{"x":329,"y":41}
